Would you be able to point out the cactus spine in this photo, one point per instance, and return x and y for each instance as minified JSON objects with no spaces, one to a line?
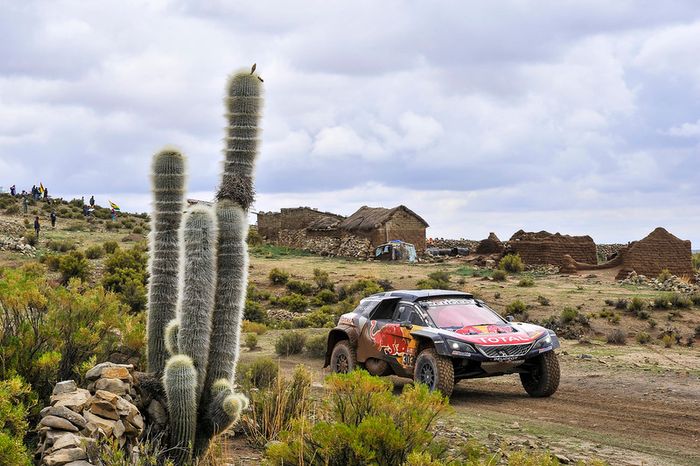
{"x":200,"y":332}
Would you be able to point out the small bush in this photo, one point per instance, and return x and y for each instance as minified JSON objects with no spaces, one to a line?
{"x":254,"y":311}
{"x":526,"y":282}
{"x":499,"y":275}
{"x":251,"y":341}
{"x":326,"y":296}
{"x":137,"y":231}
{"x":94,"y":252}
{"x":30,"y":239}
{"x":512,"y":263}
{"x":542,"y":301}
{"x":568,"y":315}
{"x":664,"y":275}
{"x":60,"y":246}
{"x":15,"y":402}
{"x":294,"y":302}
{"x":278,"y":277}
{"x":437,"y":280}
{"x":52,"y":261}
{"x":259,"y":374}
{"x":643,"y":315}
{"x":290,"y":343}
{"x":316,"y":346}
{"x":652,"y":323}
{"x":300,"y":287}
{"x":661,"y":302}
{"x":12,"y":209}
{"x":322,"y":280}
{"x":617,"y":337}
{"x":255,"y":327}
{"x":621,"y":304}
{"x":610,"y":302}
{"x":643,"y":338}
{"x":73,"y":265}
{"x":679,"y":301}
{"x":667,"y":340}
{"x":516,"y":308}
{"x":636,"y":304}
{"x":110,"y":246}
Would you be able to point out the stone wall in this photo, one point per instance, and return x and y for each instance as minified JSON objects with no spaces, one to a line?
{"x":546,"y":248}
{"x":270,"y":224}
{"x":657,"y":251}
{"x":444,"y":243}
{"x":327,"y":243}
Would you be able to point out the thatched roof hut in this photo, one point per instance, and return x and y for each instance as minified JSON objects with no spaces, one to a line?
{"x":381,"y":225}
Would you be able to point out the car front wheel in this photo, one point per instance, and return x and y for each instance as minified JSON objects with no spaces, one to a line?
{"x":343,"y":357}
{"x":436,"y":371}
{"x":543,"y":378}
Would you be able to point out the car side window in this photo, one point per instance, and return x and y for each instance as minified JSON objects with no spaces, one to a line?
{"x":416,"y":319}
{"x":402,"y":313}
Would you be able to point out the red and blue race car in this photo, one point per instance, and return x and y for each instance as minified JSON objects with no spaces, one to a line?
{"x":439,"y":337}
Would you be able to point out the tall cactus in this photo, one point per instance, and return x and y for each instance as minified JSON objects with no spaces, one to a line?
{"x":200,"y":332}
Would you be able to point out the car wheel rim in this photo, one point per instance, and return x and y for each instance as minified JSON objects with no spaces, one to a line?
{"x":427,"y":375}
{"x":341,"y":363}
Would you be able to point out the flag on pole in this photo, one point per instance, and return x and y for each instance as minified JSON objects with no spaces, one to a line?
{"x":114,"y":206}
{"x":41,"y":188}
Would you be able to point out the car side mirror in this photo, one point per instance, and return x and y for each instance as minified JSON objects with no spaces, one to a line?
{"x":510,"y":318}
{"x":406,"y":324}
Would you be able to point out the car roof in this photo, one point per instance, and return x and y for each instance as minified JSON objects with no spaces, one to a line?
{"x":416,"y":295}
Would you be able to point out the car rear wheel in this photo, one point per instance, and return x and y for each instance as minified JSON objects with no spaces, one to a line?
{"x":543,"y":379}
{"x":343,"y":357}
{"x":436,"y":371}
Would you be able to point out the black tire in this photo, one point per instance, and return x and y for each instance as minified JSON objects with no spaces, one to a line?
{"x":543,"y":379}
{"x":343,"y":357}
{"x":436,"y":371}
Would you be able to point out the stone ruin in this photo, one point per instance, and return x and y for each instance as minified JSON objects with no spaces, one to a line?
{"x":544,"y":248}
{"x":490,"y":245}
{"x":112,"y":408}
{"x":657,"y":251}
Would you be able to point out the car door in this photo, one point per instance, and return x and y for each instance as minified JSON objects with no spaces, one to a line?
{"x":376,"y":335}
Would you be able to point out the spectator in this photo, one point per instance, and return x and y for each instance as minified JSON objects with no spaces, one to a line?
{"x":85,"y":210}
{"x":25,"y":203}
{"x":53,"y":219}
{"x":46,"y":194}
{"x":13,"y":190}
{"x":37,"y":227}
{"x":92,"y":201}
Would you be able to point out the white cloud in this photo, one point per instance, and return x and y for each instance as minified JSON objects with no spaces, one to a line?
{"x":686,"y":130}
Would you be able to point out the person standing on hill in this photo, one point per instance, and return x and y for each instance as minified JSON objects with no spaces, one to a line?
{"x":37,"y":226}
{"x":13,"y":191}
{"x":25,"y":203}
{"x":46,"y":194}
{"x":92,"y":201}
{"x":53,"y":219}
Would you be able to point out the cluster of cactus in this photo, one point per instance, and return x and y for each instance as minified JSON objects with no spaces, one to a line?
{"x":198,"y":278}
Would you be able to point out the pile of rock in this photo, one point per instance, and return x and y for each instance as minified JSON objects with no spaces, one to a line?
{"x":608,"y":251}
{"x":280,"y":315}
{"x":443,"y":243}
{"x":77,"y":418}
{"x":8,"y":228}
{"x":9,"y":243}
{"x":673,"y":283}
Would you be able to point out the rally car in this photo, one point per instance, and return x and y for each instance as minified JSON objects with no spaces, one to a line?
{"x":438,"y":337}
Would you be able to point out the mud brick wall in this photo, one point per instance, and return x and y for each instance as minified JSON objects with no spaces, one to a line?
{"x":544,"y":248}
{"x":657,"y":251}
{"x":401,"y":226}
{"x":271,"y":224}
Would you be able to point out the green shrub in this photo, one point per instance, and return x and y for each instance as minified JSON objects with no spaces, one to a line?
{"x":278,"y":277}
{"x":94,"y":252}
{"x":516,"y":307}
{"x":325,"y":316}
{"x":363,"y":423}
{"x":542,"y":300}
{"x":499,"y":275}
{"x":326,"y":296}
{"x":667,"y":340}
{"x":255,"y":327}
{"x":636,"y":305}
{"x":526,"y":282}
{"x":294,"y":302}
{"x":125,"y":274}
{"x":568,"y":315}
{"x":272,"y":409}
{"x":257,"y":295}
{"x":511,"y":263}
{"x":322,"y":280}
{"x":316,"y":346}
{"x":300,"y":287}
{"x":30,"y":239}
{"x":73,"y":265}
{"x":679,"y":301}
{"x":15,"y":402}
{"x":254,"y":237}
{"x":251,"y":341}
{"x":289,"y":343}
{"x":137,"y":230}
{"x":110,"y":246}
{"x":52,"y":261}
{"x":259,"y":374}
{"x":60,"y":246}
{"x":643,"y":315}
{"x":696,"y":261}
{"x":643,"y":338}
{"x":664,"y":275}
{"x":254,"y":311}
{"x":621,"y":304}
{"x":661,"y":302}
{"x":12,"y":209}
{"x":617,"y":337}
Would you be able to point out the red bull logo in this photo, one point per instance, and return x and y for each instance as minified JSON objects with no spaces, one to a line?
{"x":392,"y":338}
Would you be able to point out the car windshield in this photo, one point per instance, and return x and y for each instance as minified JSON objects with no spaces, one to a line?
{"x":459,"y":313}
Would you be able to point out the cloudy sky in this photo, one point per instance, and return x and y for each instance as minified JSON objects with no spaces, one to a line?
{"x":575,"y":116}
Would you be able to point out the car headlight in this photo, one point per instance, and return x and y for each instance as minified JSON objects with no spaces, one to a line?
{"x":460,"y":346}
{"x":543,"y":342}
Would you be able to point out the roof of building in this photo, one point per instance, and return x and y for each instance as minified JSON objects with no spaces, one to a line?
{"x":369,"y":218}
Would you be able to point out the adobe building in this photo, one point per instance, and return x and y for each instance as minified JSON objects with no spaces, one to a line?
{"x":544,"y":248}
{"x":380,"y":225}
{"x":271,"y":224}
{"x":657,"y":251}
